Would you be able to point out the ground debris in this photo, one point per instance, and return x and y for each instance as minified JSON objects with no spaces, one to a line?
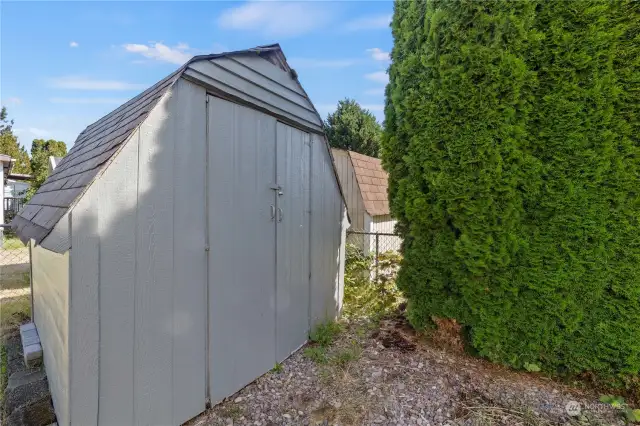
{"x":397,"y":378}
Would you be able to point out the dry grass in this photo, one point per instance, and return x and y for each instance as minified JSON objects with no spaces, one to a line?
{"x":13,"y":312}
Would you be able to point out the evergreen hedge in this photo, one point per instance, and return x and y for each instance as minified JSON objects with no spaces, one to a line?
{"x":511,"y":141}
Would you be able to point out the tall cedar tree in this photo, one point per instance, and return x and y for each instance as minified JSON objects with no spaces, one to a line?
{"x":511,"y":143}
{"x":9,"y":145}
{"x":353,"y":128}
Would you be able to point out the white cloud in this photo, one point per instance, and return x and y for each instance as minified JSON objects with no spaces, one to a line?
{"x":378,"y":77}
{"x":376,"y":91}
{"x":116,"y":101}
{"x":73,"y":44}
{"x":379,"y":54}
{"x":373,"y":107}
{"x":276,"y":18}
{"x":14,"y":100}
{"x":369,"y":23}
{"x":321,"y":63}
{"x":179,"y":54}
{"x":34,"y":131}
{"x":83,"y":83}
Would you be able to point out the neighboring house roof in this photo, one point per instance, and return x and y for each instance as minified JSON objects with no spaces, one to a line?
{"x":6,"y":162}
{"x":372,"y":180}
{"x":98,"y":143}
{"x":20,"y":176}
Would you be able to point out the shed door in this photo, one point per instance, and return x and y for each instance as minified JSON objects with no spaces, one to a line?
{"x":292,"y":238}
{"x":258,"y":216}
{"x":242,"y":239}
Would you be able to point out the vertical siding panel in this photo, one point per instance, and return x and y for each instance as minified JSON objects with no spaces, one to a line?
{"x":51,"y":304}
{"x":189,"y":315}
{"x":117,"y":206}
{"x":292,"y":240}
{"x":326,"y":228}
{"x":242,"y":237}
{"x":153,"y":350}
{"x":84,"y":330}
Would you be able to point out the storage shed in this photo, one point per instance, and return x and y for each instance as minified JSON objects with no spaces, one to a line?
{"x":365,"y":185}
{"x":186,"y":244}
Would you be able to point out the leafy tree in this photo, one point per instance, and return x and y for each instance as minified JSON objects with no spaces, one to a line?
{"x":9,"y":145}
{"x":511,"y":145}
{"x":5,"y":124}
{"x":40,"y":152}
{"x":353,"y":128}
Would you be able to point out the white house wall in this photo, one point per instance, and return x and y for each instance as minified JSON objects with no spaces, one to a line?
{"x":384,"y":224}
{"x":50,"y":280}
{"x":139,"y":263}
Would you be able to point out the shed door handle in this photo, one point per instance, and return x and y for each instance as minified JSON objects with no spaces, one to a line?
{"x":280,"y":215}
{"x":273,"y":212}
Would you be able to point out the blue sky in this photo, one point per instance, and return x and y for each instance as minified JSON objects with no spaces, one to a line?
{"x":63,"y":65}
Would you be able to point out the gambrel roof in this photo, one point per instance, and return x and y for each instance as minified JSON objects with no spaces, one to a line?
{"x":99,"y":142}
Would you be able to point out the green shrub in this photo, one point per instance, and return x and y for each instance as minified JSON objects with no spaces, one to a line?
{"x":511,"y":141}
{"x":364,"y":298}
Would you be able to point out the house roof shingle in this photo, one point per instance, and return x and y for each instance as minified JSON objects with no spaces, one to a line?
{"x":372,"y":180}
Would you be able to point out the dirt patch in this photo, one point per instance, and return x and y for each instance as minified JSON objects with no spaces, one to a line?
{"x":388,"y":375}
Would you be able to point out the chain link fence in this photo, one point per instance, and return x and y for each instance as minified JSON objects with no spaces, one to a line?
{"x":382,"y":249}
{"x":15,"y":280}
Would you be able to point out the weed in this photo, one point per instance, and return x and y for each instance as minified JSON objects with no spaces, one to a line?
{"x":231,"y":411}
{"x":324,"y":334}
{"x":317,"y":354}
{"x":278,"y":368}
{"x":619,"y":403}
{"x":345,"y":356}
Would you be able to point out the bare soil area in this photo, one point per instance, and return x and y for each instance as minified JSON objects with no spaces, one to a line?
{"x":388,"y":375}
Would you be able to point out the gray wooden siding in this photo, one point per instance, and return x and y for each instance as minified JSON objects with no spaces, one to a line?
{"x":50,"y":280}
{"x":292,"y":239}
{"x":242,"y":262}
{"x":353,"y":196}
{"x":350,"y":187}
{"x":328,"y":224}
{"x":137,"y":309}
{"x":255,"y":81}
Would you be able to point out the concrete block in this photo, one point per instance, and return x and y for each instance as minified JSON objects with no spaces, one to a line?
{"x":27,"y":326}
{"x":31,"y":347}
{"x":33,"y":355}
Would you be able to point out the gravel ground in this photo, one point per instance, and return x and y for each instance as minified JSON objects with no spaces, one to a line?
{"x":388,"y":376}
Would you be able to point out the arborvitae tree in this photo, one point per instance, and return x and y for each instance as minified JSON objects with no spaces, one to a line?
{"x":514,"y":171}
